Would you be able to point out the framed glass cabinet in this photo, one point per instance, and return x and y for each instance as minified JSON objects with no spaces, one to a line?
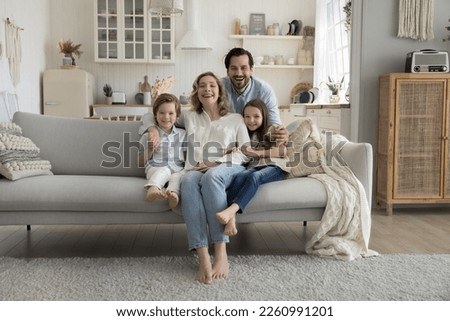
{"x":123,"y":33}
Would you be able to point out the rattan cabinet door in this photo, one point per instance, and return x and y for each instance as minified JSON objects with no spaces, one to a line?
{"x":419,"y":128}
{"x":447,"y":146}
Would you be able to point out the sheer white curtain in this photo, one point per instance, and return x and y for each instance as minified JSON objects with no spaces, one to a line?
{"x":332,"y":48}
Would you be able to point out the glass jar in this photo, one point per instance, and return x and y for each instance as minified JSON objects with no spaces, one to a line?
{"x":276,"y":29}
{"x":244,"y":30}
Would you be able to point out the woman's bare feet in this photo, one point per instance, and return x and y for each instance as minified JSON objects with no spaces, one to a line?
{"x":205,"y":271}
{"x":153,"y":193}
{"x":227,"y":214}
{"x":172,"y":198}
{"x":230,"y":227}
{"x":220,"y":268}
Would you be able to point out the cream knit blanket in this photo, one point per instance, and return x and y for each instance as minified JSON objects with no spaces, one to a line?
{"x":344,"y":229}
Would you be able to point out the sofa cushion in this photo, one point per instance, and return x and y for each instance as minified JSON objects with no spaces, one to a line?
{"x":84,"y":146}
{"x":19,"y":156}
{"x":78,"y":193}
{"x":292,"y":193}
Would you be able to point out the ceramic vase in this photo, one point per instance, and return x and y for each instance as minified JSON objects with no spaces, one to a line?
{"x":334,"y":98}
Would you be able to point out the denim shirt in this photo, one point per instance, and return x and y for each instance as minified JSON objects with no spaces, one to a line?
{"x":257,"y":88}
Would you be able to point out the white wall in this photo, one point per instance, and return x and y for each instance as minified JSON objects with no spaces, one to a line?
{"x":216,"y":18}
{"x":33,"y":17}
{"x":47,"y":21}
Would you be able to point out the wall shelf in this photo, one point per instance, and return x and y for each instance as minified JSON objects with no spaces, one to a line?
{"x":281,"y":77}
{"x":262,"y":37}
{"x":283,"y":66}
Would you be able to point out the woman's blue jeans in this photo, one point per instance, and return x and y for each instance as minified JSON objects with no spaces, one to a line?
{"x":202,"y":196}
{"x":245,"y":184}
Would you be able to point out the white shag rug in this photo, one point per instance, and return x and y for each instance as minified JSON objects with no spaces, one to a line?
{"x":252,"y":278}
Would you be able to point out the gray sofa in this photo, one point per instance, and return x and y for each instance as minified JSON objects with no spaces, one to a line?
{"x":97,"y":181}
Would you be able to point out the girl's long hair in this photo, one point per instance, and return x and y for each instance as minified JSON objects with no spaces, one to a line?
{"x":261,"y":131}
{"x":222,"y":101}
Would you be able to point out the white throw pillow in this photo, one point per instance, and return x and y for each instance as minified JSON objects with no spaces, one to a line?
{"x":19,"y":156}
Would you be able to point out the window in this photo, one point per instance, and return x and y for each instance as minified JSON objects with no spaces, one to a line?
{"x":332,"y":47}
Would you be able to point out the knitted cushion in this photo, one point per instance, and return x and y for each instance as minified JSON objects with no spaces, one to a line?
{"x":303,"y":150}
{"x":19,"y":156}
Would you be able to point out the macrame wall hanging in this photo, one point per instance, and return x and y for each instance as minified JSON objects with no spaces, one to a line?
{"x":415,"y":19}
{"x":13,"y":49}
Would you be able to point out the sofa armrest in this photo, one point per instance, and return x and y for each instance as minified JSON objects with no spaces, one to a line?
{"x":359,"y":157}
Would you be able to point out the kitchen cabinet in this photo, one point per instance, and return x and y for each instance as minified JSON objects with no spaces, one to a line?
{"x":413,"y":147}
{"x":333,"y":118}
{"x":125,"y":32}
{"x":162,"y":39}
{"x":292,"y":113}
{"x":121,"y":31}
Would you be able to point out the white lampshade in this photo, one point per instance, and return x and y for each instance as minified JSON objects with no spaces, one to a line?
{"x":166,"y":7}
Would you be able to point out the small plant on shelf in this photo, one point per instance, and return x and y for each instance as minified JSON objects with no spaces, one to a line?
{"x":448,"y":29}
{"x":107,"y":90}
{"x":334,"y":86}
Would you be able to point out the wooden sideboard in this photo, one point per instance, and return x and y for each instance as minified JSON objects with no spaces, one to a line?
{"x":413,"y":162}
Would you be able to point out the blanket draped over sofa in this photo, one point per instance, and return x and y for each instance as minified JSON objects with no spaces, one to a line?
{"x":97,"y":180}
{"x":344,"y":229}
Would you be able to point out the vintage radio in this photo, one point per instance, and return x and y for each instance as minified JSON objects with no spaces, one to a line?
{"x":427,"y":60}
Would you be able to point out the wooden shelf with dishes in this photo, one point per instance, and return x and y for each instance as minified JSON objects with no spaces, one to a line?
{"x":257,"y":43}
{"x":277,"y":60}
{"x":265,"y":37}
{"x":283,"y":66}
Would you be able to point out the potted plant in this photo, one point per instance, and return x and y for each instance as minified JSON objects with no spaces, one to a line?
{"x":107,"y":91}
{"x":69,"y":49}
{"x":334,"y":87}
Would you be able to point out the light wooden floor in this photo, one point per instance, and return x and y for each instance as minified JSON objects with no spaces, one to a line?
{"x":407,"y":231}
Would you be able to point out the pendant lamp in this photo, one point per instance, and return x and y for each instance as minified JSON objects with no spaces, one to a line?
{"x":166,"y":7}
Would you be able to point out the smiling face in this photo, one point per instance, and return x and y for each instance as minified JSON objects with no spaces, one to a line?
{"x":208,"y":90}
{"x":239,"y":72}
{"x":253,"y":118}
{"x":166,"y":116}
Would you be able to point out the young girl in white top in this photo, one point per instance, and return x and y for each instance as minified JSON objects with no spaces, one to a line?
{"x":263,"y":169}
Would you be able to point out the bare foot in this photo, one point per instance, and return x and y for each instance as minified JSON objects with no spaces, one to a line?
{"x":153,"y":193}
{"x":204,"y":274}
{"x":230,"y":227}
{"x":220,"y":268}
{"x":227,"y":214}
{"x":172,"y":198}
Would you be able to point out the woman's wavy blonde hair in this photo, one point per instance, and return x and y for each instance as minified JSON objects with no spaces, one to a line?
{"x":222,"y":101}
